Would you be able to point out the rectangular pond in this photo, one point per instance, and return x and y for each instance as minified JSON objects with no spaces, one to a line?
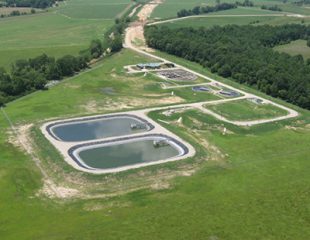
{"x":131,"y":152}
{"x":98,"y":128}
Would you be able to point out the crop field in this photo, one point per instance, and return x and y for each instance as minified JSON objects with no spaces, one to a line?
{"x":236,"y":181}
{"x":47,"y":33}
{"x":93,"y":9}
{"x":170,"y":8}
{"x":8,"y":10}
{"x":246,"y":110}
{"x":298,"y":47}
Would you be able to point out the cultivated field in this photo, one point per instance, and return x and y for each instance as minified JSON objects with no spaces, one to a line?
{"x":295,"y":48}
{"x":93,"y":9}
{"x":46,"y":33}
{"x":53,"y":33}
{"x":169,"y":8}
{"x":8,"y":10}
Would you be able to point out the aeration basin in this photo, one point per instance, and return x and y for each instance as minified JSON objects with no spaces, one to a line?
{"x":127,"y":153}
{"x":98,"y":128}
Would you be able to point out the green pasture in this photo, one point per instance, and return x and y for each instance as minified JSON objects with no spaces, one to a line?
{"x":169,"y":8}
{"x":29,"y":36}
{"x":298,"y":47}
{"x":93,"y":9}
{"x":244,"y":110}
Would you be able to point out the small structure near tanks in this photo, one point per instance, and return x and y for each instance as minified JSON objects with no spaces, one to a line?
{"x":149,"y":65}
{"x":160,"y":143}
{"x":201,"y":89}
{"x":137,"y":126}
{"x":229,"y":93}
{"x":255,"y":100}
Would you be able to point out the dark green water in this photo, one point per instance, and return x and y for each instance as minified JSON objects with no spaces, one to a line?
{"x":97,"y":129}
{"x":126,"y":154}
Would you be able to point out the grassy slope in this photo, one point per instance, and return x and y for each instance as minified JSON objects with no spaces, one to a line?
{"x":245,"y":110}
{"x":295,"y":48}
{"x":255,"y":192}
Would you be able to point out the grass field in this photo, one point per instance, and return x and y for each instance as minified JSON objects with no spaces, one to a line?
{"x":255,"y":186}
{"x":93,"y":9}
{"x":243,"y":110}
{"x":170,"y":8}
{"x":298,"y":47}
{"x":29,"y":36}
{"x":55,"y":33}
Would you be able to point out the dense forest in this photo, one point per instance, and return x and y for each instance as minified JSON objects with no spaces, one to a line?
{"x":245,"y":54}
{"x":31,"y":3}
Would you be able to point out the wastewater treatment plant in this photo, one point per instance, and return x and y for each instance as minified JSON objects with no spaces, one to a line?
{"x":154,"y":119}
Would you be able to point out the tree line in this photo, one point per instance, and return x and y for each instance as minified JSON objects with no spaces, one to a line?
{"x":245,"y":54}
{"x":275,"y":8}
{"x":206,"y":9}
{"x":31,"y":3}
{"x":15,"y":13}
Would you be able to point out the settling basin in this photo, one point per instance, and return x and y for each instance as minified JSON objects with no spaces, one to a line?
{"x":126,"y":153}
{"x":98,"y":128}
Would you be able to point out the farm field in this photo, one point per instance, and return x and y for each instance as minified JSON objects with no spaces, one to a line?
{"x":238,"y":173}
{"x":93,"y":9}
{"x":8,"y":10}
{"x":246,"y":110}
{"x":298,"y":47}
{"x":170,"y":8}
{"x":43,"y":33}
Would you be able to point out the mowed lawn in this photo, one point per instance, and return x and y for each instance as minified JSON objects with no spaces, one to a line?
{"x":298,"y":47}
{"x":245,"y":110}
{"x":55,"y":35}
{"x":93,"y":9}
{"x":256,"y":187}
